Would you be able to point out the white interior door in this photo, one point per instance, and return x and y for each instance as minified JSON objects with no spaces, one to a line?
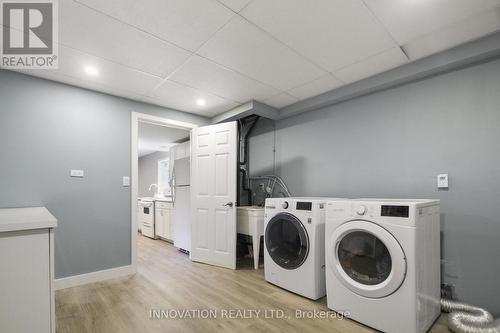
{"x":213,"y":194}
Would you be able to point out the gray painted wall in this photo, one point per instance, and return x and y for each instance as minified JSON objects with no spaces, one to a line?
{"x":148,"y":172}
{"x":393,"y":144}
{"x":46,"y":129}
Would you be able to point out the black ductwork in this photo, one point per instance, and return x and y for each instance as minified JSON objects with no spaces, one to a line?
{"x":245,"y":127}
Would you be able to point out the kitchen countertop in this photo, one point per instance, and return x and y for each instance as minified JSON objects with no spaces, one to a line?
{"x":166,"y":199}
{"x":15,"y":219}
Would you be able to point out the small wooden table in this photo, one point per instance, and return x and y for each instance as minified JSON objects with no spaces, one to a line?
{"x":251,"y":222}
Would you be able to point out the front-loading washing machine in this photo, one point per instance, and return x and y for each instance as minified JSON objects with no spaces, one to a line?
{"x":383,"y":262}
{"x":294,"y":237}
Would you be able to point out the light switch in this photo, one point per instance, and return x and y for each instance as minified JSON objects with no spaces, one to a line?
{"x":126,"y":181}
{"x":442,"y":181}
{"x":76,"y":173}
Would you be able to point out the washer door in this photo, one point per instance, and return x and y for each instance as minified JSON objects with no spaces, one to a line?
{"x":287,"y":241}
{"x":367,"y":259}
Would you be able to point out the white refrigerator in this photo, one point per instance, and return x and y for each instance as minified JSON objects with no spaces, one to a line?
{"x":182,"y":204}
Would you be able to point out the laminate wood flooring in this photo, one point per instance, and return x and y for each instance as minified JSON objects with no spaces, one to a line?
{"x":167,"y":280}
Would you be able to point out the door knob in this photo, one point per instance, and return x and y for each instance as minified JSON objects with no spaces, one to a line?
{"x":229,"y":204}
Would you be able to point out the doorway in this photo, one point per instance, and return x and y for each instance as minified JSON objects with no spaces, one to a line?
{"x":157,"y":143}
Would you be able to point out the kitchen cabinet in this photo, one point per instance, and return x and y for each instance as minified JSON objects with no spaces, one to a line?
{"x":177,"y":152}
{"x":27,"y":263}
{"x":163,"y":220}
{"x":180,"y":151}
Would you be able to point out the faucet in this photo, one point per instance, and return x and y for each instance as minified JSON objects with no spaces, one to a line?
{"x":153,"y":185}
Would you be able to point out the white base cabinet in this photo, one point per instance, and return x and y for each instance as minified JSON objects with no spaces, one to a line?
{"x":163,"y":220}
{"x":27,"y":270}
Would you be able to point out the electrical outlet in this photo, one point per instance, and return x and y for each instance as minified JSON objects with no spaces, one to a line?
{"x":442,"y":181}
{"x":76,"y":173}
{"x":448,"y":291}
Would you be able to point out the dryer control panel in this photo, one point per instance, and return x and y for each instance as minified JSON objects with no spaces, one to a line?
{"x":394,"y":211}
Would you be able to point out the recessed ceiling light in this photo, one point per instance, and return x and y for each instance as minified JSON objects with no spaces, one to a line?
{"x":91,"y":70}
{"x":201,"y":102}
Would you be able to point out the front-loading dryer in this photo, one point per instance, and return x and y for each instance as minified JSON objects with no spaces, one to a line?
{"x":383,"y":262}
{"x":294,"y":256}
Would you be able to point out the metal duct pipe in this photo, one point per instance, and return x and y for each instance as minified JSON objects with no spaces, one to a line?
{"x":246,"y":125}
{"x":465,"y":318}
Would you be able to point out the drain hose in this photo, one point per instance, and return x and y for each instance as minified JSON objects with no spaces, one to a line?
{"x":465,"y":318}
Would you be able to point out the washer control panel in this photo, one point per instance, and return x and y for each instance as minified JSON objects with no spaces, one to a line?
{"x":302,"y":205}
{"x":361,"y":210}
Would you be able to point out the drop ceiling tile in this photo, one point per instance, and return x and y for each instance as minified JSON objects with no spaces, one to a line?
{"x":186,"y":23}
{"x":316,"y":87}
{"x":73,"y":62}
{"x":177,"y":96}
{"x":211,"y":112}
{"x":87,"y":30}
{"x":247,"y":49}
{"x":281,"y":100}
{"x":453,"y":35}
{"x":407,"y":20}
{"x":61,"y":78}
{"x":208,"y":76}
{"x":332,"y":33}
{"x":235,"y":5}
{"x":374,"y":65}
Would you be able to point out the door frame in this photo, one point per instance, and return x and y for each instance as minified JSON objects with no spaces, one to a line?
{"x":137,"y":117}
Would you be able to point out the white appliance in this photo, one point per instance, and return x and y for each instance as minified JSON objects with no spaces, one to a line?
{"x":147,"y":218}
{"x":294,"y":256}
{"x":139,"y":212}
{"x":182,"y":204}
{"x":382,"y":262}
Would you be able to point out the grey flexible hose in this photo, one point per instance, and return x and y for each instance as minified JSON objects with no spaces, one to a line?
{"x":277,"y":179}
{"x":465,"y":318}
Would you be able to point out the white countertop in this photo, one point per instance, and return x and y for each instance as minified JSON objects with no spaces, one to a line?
{"x":14,"y":219}
{"x":169,"y":199}
{"x":163,"y":199}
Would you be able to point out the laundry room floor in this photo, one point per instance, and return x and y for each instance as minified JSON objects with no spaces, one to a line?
{"x":168,"y":280}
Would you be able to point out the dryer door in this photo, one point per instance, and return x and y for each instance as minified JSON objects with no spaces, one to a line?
{"x":287,"y":241}
{"x":367,"y":259}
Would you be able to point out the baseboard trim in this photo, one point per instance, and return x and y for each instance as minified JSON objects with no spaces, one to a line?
{"x":106,"y":274}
